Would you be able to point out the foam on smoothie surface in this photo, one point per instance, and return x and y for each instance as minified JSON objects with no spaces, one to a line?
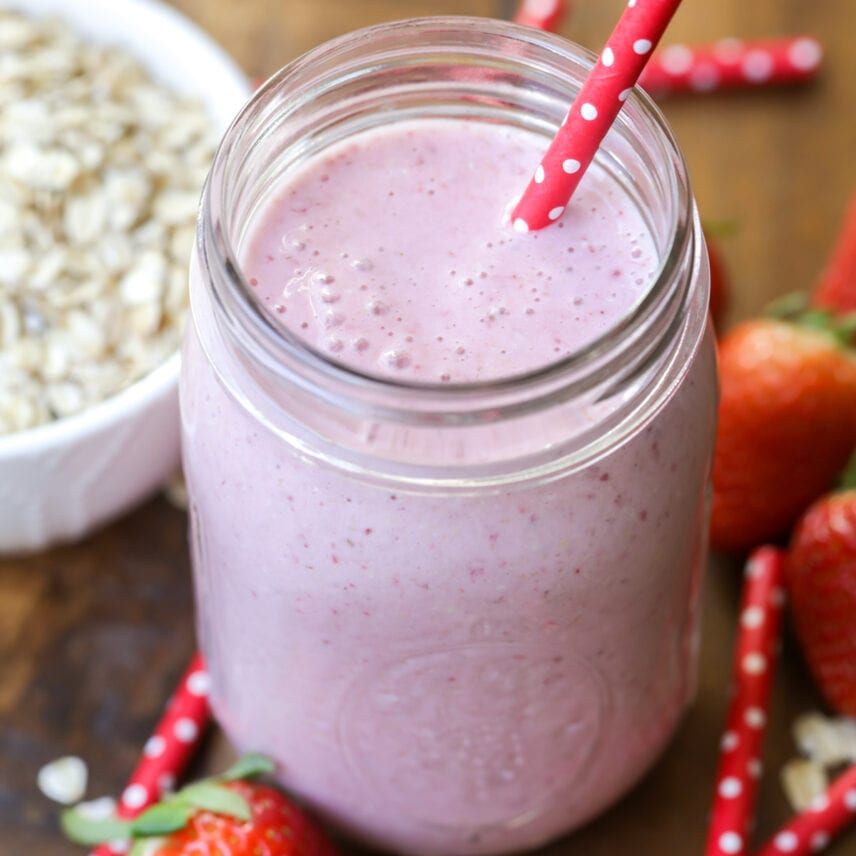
{"x":388,"y":252}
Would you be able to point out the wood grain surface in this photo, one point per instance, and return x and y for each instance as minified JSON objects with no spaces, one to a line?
{"x":93,"y":636}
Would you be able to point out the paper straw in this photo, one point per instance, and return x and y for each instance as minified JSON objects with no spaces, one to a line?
{"x":169,"y":749}
{"x":813,"y":829}
{"x":540,"y":14}
{"x":593,"y":112}
{"x":732,"y":64}
{"x":740,"y":750}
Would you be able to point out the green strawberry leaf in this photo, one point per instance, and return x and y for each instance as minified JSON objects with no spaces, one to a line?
{"x":788,"y":307}
{"x":720,"y":228}
{"x":162,"y":818}
{"x":213,"y":797}
{"x":90,"y":831}
{"x":847,"y":479}
{"x":246,"y":767}
{"x":147,"y":846}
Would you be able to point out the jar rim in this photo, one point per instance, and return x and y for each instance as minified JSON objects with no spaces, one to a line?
{"x":280,"y":349}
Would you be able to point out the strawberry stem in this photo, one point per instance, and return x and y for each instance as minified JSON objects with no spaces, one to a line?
{"x":796,"y":309}
{"x":848,"y":476}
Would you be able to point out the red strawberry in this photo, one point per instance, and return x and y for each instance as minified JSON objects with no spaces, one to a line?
{"x":836,"y":286}
{"x":787,"y":424}
{"x":227,"y":816}
{"x":820,"y":572}
{"x":718,"y":283}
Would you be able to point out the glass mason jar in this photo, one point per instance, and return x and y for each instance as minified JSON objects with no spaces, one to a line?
{"x":461,"y":618}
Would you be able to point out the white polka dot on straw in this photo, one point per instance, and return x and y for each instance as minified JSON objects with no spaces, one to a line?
{"x":135,"y":796}
{"x":730,"y":842}
{"x":730,"y":787}
{"x":755,"y":768}
{"x":677,"y":59}
{"x":539,"y":174}
{"x":755,"y":717}
{"x":166,"y":783}
{"x":805,"y":54}
{"x":752,"y":617}
{"x":753,"y":569}
{"x":757,"y":66}
{"x":589,"y":112}
{"x":819,"y":841}
{"x":850,"y":799}
{"x":729,"y":742}
{"x":819,"y":804}
{"x":754,"y":664}
{"x":786,"y":842}
{"x":520,"y":225}
{"x":185,"y":730}
{"x":199,"y":683}
{"x":154,"y":747}
{"x":556,"y":212}
{"x":607,"y":57}
{"x":704,"y":77}
{"x":728,"y":50}
{"x":642,"y":46}
{"x":624,"y":94}
{"x":570,"y":166}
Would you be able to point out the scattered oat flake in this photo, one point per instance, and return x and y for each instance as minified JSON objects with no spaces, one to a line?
{"x":97,"y":809}
{"x":826,"y":741}
{"x":803,"y":781}
{"x":63,"y":780}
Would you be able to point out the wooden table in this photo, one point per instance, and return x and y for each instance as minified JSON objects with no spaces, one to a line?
{"x":93,"y":636}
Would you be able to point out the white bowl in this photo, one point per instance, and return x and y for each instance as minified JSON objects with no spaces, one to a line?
{"x":61,"y":480}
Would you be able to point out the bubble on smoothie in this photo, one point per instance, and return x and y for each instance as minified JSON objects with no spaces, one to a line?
{"x":395,"y":358}
{"x":376,"y":307}
{"x":334,"y":345}
{"x":362,"y":265}
{"x":333,"y":319}
{"x":328,"y":295}
{"x":361,"y":344}
{"x":291,"y":244}
{"x":322,"y":278}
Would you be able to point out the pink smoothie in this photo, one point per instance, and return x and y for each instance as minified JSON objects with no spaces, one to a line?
{"x":459,"y":669}
{"x":418,"y":280}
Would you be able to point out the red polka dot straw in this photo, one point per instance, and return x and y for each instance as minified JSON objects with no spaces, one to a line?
{"x":740,"y":750}
{"x":593,"y":112}
{"x":169,"y":749}
{"x":813,"y":829}
{"x":732,"y":64}
{"x":541,"y":14}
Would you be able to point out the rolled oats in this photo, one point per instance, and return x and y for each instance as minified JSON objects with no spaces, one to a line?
{"x":100,"y":173}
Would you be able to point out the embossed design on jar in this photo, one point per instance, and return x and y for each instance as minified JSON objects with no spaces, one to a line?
{"x":465,"y":762}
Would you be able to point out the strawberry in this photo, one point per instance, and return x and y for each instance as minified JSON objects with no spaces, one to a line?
{"x":836,"y":287}
{"x":820,"y":573}
{"x":787,"y":423}
{"x":718,"y":283}
{"x":226,"y":815}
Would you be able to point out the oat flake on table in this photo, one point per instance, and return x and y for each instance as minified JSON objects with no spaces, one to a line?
{"x":100,"y":172}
